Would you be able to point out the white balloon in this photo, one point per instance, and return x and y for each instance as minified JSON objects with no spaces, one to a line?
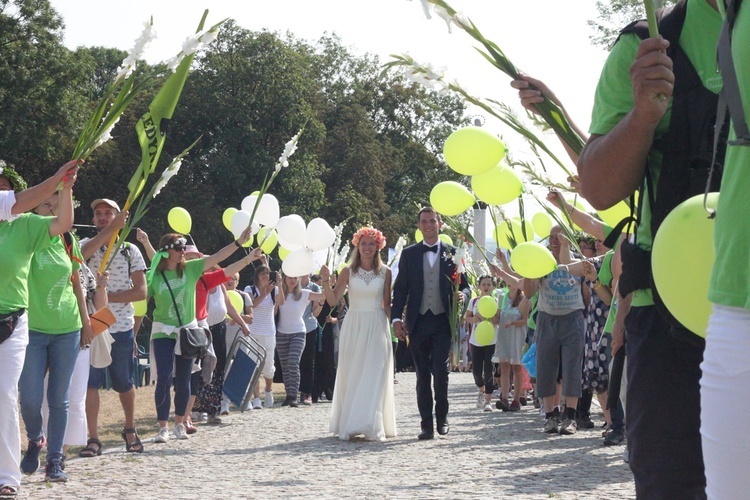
{"x":268,"y":211}
{"x":319,"y":235}
{"x":248,"y":203}
{"x":256,"y":227}
{"x":291,"y":229}
{"x":298,"y":263}
{"x":240,"y":220}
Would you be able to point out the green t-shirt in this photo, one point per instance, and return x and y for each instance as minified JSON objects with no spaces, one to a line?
{"x":19,"y":240}
{"x":605,"y":277}
{"x":53,"y":307}
{"x":730,"y":282}
{"x":614,"y":95}
{"x":183,"y":289}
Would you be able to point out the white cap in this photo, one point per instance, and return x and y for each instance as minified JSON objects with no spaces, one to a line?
{"x":106,"y":201}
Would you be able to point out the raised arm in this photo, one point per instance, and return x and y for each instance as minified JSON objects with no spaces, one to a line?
{"x":333,"y":296}
{"x":611,"y":166}
{"x":241,"y":264}
{"x":530,"y":97}
{"x":224,"y":253}
{"x":34,"y":196}
{"x":587,"y":222}
{"x":142,"y":238}
{"x":102,"y":238}
{"x":63,"y":221}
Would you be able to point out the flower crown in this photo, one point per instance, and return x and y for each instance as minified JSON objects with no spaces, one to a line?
{"x":369,"y":232}
{"x":16,"y":181}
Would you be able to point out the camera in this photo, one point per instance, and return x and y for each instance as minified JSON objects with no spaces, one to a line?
{"x":273,"y":276}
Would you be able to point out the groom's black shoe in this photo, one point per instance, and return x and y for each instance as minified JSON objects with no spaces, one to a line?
{"x":427,"y":433}
{"x":443,"y":427}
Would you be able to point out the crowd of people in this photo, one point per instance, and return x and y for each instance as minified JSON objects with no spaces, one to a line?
{"x":333,"y":335}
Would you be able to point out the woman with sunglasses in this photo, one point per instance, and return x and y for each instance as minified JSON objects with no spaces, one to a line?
{"x":172,"y":283}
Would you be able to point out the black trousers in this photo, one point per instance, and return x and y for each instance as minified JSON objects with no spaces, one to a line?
{"x":663,"y":406}
{"x":325,"y":364}
{"x":307,"y":363}
{"x":430,"y":344}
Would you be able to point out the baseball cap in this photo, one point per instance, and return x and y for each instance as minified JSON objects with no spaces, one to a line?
{"x":106,"y":201}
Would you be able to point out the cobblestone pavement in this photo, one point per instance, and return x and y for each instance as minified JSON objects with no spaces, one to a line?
{"x":288,"y":452}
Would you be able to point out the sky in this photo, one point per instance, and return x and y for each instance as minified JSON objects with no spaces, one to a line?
{"x":548,"y":39}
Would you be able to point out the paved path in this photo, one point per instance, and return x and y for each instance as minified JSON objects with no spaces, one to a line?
{"x":288,"y":452}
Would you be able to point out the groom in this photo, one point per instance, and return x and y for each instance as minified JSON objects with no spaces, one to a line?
{"x":424,"y":286}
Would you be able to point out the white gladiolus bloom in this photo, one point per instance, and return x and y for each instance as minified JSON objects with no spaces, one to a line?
{"x":106,"y":135}
{"x":168,"y":173}
{"x":128,"y":64}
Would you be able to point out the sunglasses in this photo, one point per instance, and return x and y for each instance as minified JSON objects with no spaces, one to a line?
{"x":178,"y":245}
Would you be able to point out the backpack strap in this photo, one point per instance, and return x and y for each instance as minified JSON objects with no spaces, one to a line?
{"x":731,"y":90}
{"x":68,"y":239}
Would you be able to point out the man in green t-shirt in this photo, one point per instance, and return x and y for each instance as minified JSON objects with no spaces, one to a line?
{"x":632,"y":111}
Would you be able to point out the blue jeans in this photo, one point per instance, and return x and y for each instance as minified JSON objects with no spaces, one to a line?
{"x":122,"y":367}
{"x":59,"y":353}
{"x":165,"y":361}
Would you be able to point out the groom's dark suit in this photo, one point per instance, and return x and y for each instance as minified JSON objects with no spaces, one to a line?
{"x":429,"y":333}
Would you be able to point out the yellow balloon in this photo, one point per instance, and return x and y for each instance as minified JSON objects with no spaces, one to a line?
{"x":267,"y":239}
{"x":485,"y":333}
{"x":236,"y":299}
{"x":473,"y":150}
{"x":542,"y":222}
{"x":613,"y":215}
{"x":532,"y":260}
{"x":497,"y":186}
{"x":140,"y":307}
{"x":418,"y":236}
{"x":682,"y":257}
{"x":445,"y":239}
{"x":503,"y":234}
{"x":179,"y":220}
{"x":451,"y":198}
{"x":283,"y":252}
{"x":487,"y":307}
{"x":226,"y":217}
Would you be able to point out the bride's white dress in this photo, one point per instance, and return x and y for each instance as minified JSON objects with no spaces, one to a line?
{"x":363,"y":403}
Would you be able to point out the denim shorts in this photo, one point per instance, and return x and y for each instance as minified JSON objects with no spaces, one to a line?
{"x":121,"y":371}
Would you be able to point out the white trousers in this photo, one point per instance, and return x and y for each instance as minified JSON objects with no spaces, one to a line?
{"x":725,"y":403}
{"x":12,"y":356}
{"x":76,"y":433}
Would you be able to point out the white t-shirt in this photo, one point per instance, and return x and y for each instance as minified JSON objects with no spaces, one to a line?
{"x":290,"y":313}
{"x":263,"y":321}
{"x":119,"y":280}
{"x":7,"y":200}
{"x":217,"y":306}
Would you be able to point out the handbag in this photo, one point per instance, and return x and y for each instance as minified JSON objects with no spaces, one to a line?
{"x":194,"y":341}
{"x":8,"y":323}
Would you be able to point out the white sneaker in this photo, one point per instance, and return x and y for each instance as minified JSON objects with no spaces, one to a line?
{"x":257,"y":404}
{"x":179,"y":431}
{"x":487,"y":406}
{"x":269,"y":399}
{"x":480,"y":400}
{"x":163,"y":435}
{"x":204,"y":417}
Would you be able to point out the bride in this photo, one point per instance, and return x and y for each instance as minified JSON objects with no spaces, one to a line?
{"x":363,"y":402}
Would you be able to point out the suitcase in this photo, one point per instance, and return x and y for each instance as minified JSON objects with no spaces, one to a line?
{"x":243,"y":369}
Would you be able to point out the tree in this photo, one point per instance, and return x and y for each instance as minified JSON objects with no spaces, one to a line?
{"x":615,"y":15}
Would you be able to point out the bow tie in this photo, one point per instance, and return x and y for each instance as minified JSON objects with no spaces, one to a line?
{"x":432,"y":248}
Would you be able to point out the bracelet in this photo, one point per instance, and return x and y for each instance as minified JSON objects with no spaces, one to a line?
{"x":237,"y":243}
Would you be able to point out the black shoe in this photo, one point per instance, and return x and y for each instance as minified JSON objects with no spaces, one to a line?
{"x":329,"y":394}
{"x":613,"y":438}
{"x":584,"y":423}
{"x":443,"y":428}
{"x":426,"y":434}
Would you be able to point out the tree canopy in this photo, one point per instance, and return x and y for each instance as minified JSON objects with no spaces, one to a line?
{"x":369,"y":152}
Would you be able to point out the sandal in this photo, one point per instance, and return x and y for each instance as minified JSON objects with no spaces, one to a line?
{"x":89,"y":451}
{"x":8,"y":490}
{"x":134,"y":447}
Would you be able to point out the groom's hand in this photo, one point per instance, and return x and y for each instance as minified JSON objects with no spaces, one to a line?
{"x":399,"y":331}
